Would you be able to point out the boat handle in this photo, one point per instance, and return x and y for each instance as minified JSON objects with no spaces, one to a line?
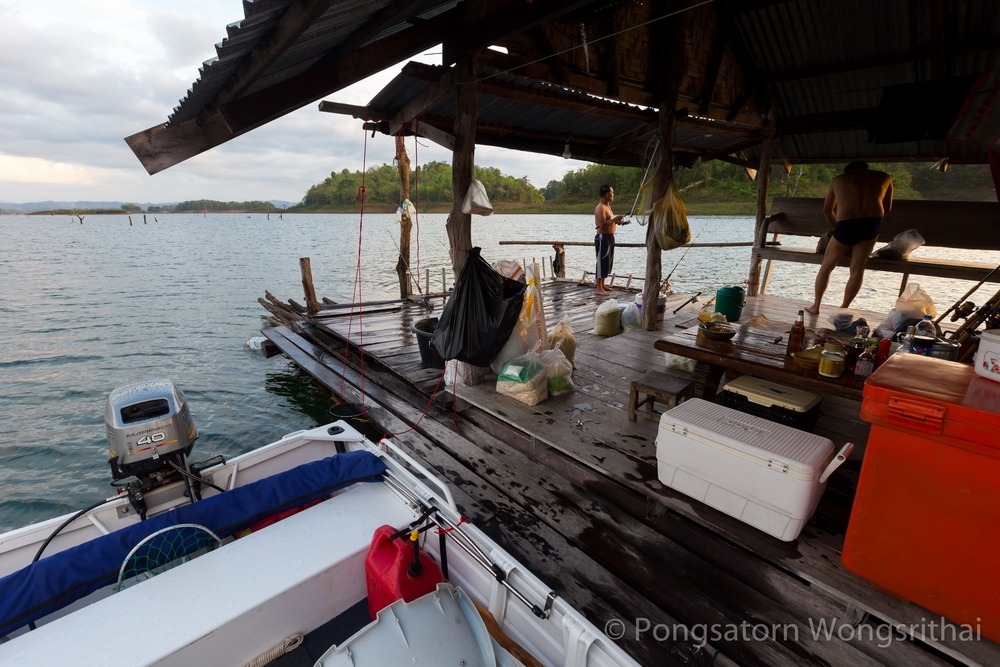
{"x":841,"y":456}
{"x":445,"y":491}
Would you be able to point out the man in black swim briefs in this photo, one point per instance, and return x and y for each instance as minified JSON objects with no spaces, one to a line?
{"x":855,"y":204}
{"x":852,"y":232}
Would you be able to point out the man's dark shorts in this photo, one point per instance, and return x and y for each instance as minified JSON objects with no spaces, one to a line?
{"x":853,"y":232}
{"x":604,"y":246}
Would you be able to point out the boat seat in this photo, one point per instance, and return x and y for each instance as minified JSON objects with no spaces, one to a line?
{"x":234,"y":603}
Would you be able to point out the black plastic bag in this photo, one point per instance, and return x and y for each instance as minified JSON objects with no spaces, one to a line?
{"x":480,"y":314}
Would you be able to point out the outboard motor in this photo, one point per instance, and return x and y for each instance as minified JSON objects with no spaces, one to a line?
{"x":150,"y":434}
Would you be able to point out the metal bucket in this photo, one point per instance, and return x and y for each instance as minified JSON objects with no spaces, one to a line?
{"x":944,"y":349}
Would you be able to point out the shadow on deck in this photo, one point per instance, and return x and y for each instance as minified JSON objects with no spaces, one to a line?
{"x":570,"y":487}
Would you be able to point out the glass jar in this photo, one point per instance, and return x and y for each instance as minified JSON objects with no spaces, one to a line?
{"x":831,"y":363}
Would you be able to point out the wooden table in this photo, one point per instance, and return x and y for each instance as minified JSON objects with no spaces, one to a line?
{"x":757,"y":352}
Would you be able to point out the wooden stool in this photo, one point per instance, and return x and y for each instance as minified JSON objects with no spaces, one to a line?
{"x":667,"y":389}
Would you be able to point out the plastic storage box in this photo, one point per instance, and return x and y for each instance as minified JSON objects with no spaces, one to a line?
{"x":768,"y":475}
{"x":988,"y":355}
{"x":780,"y":403}
{"x":925,"y":524}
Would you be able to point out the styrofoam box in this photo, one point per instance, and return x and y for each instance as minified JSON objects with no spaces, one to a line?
{"x":766,"y":474}
{"x":988,"y":355}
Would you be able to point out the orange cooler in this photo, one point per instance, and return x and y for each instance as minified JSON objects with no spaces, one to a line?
{"x":925,"y":524}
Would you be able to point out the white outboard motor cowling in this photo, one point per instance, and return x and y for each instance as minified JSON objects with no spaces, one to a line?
{"x":149,"y":426}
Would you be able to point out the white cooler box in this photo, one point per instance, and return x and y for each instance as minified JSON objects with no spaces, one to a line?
{"x":766,"y":474}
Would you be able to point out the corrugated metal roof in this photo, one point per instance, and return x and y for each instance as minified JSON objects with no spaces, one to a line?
{"x":823,"y":66}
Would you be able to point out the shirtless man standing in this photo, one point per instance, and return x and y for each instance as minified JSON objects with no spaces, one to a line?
{"x":855,"y":204}
{"x":606,"y":224}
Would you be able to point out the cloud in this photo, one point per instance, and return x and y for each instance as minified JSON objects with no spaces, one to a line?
{"x":76,"y":78}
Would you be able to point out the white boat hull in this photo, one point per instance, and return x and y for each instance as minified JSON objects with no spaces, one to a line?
{"x":235,"y":603}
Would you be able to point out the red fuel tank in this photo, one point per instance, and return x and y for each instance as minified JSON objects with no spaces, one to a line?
{"x":389,"y":573}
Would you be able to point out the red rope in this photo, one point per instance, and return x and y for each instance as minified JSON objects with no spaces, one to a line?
{"x":356,"y":295}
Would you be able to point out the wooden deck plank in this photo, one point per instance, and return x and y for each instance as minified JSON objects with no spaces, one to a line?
{"x":590,"y":428}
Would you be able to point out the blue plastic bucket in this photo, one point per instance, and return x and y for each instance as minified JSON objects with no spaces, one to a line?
{"x":730,"y":301}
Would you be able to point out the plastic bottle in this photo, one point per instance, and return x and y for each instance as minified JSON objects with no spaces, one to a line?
{"x":906,"y":342}
{"x":797,"y":336}
{"x":924,"y":336}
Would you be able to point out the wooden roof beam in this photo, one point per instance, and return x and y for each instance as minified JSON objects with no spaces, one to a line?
{"x":550,"y":97}
{"x":393,"y":122}
{"x":502,"y":19}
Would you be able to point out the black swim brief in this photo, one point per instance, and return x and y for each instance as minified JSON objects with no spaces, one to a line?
{"x":853,"y":232}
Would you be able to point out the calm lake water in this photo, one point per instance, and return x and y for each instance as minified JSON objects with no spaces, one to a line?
{"x":88,"y":307}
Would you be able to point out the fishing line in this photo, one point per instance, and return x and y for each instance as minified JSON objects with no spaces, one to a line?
{"x":686,"y":251}
{"x":643,"y":182}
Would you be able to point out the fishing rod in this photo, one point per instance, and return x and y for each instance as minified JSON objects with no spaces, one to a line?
{"x":691,"y":300}
{"x":958,"y":304}
{"x":643,"y":182}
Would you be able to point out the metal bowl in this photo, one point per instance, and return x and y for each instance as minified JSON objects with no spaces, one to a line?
{"x":807,"y":358}
{"x":717,"y":330}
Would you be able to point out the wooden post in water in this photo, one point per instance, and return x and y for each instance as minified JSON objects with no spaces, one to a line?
{"x":305,"y":267}
{"x":559,"y":261}
{"x":405,"y":223}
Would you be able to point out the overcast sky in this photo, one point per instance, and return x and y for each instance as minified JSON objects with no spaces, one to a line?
{"x":77,"y":77}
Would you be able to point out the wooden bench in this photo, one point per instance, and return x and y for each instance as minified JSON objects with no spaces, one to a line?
{"x":960,"y":225}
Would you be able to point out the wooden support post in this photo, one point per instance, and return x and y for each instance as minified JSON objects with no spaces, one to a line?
{"x":670,"y":39}
{"x":305,"y":267}
{"x":763,"y":177}
{"x":459,"y":225}
{"x":405,"y":223}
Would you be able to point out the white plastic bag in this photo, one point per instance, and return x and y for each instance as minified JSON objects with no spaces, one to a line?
{"x":679,"y":363}
{"x":912,"y":304}
{"x":529,"y":332}
{"x":608,"y":319}
{"x":558,"y":372}
{"x":511,"y":269}
{"x":561,"y":338}
{"x":476,"y":200}
{"x":631,"y":318}
{"x":523,"y":379}
{"x":901,"y":245}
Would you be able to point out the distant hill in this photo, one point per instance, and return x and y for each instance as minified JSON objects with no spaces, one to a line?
{"x":35,"y":206}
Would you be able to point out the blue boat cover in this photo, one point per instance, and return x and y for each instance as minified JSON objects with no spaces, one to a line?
{"x":53,"y":582}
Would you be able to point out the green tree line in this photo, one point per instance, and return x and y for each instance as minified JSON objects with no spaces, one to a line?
{"x":429,"y":184}
{"x":704,"y":185}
